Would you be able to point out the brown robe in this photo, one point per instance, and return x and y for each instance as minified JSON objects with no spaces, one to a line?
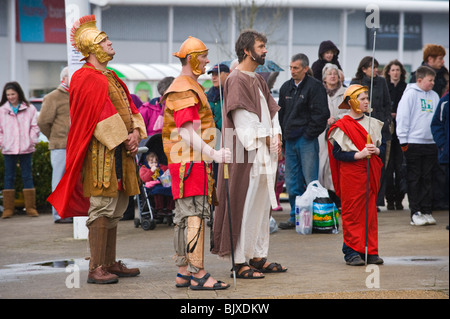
{"x":240,"y":92}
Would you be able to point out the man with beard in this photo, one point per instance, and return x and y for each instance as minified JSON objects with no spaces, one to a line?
{"x":250,"y":122}
{"x":303,"y":117}
{"x":100,"y":171}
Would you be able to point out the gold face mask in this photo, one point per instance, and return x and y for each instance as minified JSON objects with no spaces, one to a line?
{"x":195,"y":63}
{"x":85,"y":37}
{"x":350,"y":97}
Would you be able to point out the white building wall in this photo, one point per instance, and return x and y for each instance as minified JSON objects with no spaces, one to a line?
{"x":139,"y":35}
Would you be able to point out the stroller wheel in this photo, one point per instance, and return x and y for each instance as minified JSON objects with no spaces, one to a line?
{"x":148,"y":224}
{"x":137,"y":222}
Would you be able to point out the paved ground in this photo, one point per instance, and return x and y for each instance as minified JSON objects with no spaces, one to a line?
{"x":416,"y":264}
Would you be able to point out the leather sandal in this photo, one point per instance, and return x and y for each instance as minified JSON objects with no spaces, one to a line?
{"x":247,"y":273}
{"x":184,"y":277}
{"x":271,"y":268}
{"x":201,"y":281}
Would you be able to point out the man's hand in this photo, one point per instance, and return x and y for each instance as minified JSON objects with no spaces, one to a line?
{"x":132,"y":142}
{"x":274,"y":144}
{"x":222,"y":156}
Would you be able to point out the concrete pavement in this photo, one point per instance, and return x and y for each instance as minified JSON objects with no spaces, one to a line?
{"x":40,"y":259}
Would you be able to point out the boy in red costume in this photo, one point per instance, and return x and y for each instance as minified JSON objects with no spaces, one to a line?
{"x":348,"y":150}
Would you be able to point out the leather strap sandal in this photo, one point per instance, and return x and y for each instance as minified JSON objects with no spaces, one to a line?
{"x":271,"y":268}
{"x":247,"y":273}
{"x":184,"y":277}
{"x":201,"y":281}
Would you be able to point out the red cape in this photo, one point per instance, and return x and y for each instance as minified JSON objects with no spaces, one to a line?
{"x":349,"y":180}
{"x":89,"y":105}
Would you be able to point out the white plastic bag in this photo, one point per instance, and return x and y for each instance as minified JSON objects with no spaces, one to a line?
{"x":165,"y":179}
{"x":273,"y":225}
{"x":304,"y":207}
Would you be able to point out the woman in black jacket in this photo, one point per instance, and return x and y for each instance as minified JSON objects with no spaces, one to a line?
{"x":395,"y":75}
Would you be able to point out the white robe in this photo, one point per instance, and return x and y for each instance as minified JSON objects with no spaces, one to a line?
{"x":254,"y":237}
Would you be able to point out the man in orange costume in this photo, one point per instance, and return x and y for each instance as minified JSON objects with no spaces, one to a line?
{"x":348,"y":150}
{"x":100,"y":172}
{"x":189,"y":136}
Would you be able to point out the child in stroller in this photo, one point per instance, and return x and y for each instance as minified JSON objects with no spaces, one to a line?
{"x":151,"y":173}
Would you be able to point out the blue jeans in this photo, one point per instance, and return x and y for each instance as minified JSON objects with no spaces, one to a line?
{"x":301,"y":167}
{"x":25,"y":167}
{"x":349,"y":253}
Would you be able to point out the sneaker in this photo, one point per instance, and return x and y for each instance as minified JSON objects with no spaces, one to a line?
{"x":286,"y":225}
{"x":430,"y":219}
{"x":355,"y":261}
{"x":418,"y":219}
{"x":374,"y":259}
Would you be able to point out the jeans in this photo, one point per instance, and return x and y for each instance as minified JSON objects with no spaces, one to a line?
{"x":25,"y":167}
{"x":349,"y":253}
{"x":58,"y":160}
{"x":301,"y":167}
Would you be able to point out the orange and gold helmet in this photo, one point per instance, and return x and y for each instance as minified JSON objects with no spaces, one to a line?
{"x":193,"y":47}
{"x":350,"y":97}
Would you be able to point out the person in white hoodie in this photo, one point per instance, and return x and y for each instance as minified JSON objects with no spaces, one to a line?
{"x":414,"y":115}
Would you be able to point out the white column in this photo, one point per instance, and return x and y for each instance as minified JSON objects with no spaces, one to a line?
{"x":170,"y":34}
{"x":343,"y":39}
{"x":12,"y":40}
{"x":232,"y":31}
{"x":290,"y":34}
{"x":401,"y":35}
{"x":75,"y":9}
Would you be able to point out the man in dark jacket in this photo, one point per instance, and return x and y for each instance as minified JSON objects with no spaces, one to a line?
{"x":303,"y":117}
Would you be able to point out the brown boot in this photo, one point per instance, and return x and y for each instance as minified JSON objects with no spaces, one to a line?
{"x":8,"y":202}
{"x":30,"y":202}
{"x":100,"y":276}
{"x":116,"y":267}
{"x":98,"y":234}
{"x":119,"y":269}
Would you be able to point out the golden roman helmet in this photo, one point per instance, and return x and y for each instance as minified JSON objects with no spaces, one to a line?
{"x":193,"y":47}
{"x":350,"y":97}
{"x":85,"y":37}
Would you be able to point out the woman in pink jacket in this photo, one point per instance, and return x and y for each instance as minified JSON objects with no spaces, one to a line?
{"x":19,"y":133}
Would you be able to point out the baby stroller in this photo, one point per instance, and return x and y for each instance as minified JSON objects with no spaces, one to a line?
{"x":148,"y":215}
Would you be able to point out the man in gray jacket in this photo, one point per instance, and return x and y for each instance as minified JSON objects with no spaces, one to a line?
{"x":54,"y":123}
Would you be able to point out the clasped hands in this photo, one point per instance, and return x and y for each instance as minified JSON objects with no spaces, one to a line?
{"x":132,"y":143}
{"x":370,"y":149}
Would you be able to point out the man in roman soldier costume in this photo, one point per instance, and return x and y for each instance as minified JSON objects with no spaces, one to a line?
{"x":100,"y":172}
{"x":189,"y":136}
